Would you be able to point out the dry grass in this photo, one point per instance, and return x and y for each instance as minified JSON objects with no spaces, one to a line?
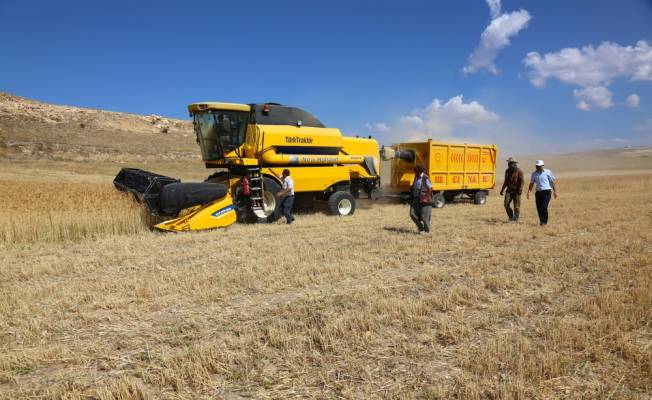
{"x":356,"y":307}
{"x":53,"y":212}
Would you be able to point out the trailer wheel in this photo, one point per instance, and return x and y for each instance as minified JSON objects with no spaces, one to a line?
{"x":479,"y":197}
{"x":438,"y":200}
{"x":341,"y":203}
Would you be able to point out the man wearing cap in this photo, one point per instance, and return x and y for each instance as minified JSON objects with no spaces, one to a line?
{"x":514,"y":185}
{"x":545,"y":187}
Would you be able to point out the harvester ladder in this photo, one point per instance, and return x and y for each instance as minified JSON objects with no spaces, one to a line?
{"x":256,"y":187}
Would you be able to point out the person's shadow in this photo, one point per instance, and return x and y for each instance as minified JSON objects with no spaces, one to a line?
{"x":394,"y":229}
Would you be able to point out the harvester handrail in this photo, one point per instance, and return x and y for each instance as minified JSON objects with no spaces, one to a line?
{"x":256,"y":140}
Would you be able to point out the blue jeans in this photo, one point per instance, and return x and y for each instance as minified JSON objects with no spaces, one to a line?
{"x":542,"y":198}
{"x":285,"y":208}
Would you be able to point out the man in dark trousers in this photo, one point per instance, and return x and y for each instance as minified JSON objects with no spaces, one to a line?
{"x":286,"y":198}
{"x":514,"y":185}
{"x":421,"y":200}
{"x":545,"y":184}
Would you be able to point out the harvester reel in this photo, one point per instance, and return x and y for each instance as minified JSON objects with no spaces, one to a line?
{"x":177,"y":196}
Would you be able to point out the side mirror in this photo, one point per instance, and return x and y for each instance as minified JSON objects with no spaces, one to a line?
{"x":299,"y":123}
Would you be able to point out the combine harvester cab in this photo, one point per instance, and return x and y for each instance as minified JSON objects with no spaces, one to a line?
{"x":251,"y":145}
{"x":455,"y":170}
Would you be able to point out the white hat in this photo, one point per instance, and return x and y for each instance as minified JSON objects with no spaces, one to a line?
{"x":539,"y":163}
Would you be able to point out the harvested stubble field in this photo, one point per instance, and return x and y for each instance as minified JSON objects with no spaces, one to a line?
{"x":94,"y":305}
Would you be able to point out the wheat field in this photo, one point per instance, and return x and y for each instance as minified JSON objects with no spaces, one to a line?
{"x":64,"y":211}
{"x":94,"y":305}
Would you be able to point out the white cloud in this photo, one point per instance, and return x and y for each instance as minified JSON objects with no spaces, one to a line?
{"x":583,"y":105}
{"x":456,"y":112}
{"x":590,"y":66}
{"x":494,"y":8}
{"x":593,"y":69}
{"x":457,"y":120}
{"x":411,"y":119}
{"x":593,"y":96}
{"x":643,"y":73}
{"x":378,"y":127}
{"x":633,"y":100}
{"x":441,"y":120}
{"x":496,"y":37}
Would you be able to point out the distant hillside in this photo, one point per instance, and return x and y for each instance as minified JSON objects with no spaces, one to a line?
{"x":34,"y":130}
{"x":597,"y":162}
{"x":31,"y":130}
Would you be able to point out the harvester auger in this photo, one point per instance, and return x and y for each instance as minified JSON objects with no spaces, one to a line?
{"x":251,"y":144}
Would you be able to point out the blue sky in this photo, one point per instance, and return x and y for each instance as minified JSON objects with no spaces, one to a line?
{"x":392,"y":69}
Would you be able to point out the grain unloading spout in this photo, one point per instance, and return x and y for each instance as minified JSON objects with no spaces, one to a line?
{"x":389,"y":153}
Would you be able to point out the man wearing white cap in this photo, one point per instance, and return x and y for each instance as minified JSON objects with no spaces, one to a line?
{"x":545,"y":187}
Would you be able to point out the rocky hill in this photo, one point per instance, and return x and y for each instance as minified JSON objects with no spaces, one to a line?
{"x":34,"y":130}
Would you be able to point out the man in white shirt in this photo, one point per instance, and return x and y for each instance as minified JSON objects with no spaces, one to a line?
{"x":545,"y":187}
{"x":286,"y":198}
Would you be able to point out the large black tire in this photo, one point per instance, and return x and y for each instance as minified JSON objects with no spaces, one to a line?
{"x":217,"y":177}
{"x":341,"y":203}
{"x":175,"y":197}
{"x":270,"y":189}
{"x":438,"y":200}
{"x":480,"y":197}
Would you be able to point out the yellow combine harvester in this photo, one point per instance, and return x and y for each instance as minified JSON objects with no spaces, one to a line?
{"x":454,"y":169}
{"x":251,"y":144}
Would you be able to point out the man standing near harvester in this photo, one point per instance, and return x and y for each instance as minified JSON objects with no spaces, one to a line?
{"x":545,"y":188}
{"x":421,"y":200}
{"x":514,"y":185}
{"x":286,"y":198}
